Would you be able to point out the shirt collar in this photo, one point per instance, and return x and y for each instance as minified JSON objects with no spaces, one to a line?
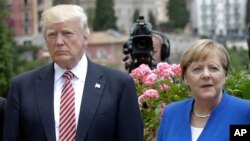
{"x":80,"y":70}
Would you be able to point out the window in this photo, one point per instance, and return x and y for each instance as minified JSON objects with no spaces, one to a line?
{"x":25,"y":2}
{"x":26,"y":17}
{"x":26,"y":30}
{"x":39,"y":2}
{"x":101,"y":53}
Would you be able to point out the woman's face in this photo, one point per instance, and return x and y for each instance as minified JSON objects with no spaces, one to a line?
{"x":205,"y":78}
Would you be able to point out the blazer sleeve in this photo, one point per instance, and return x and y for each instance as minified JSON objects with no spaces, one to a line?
{"x":11,"y":123}
{"x":130,"y":121}
{"x":2,"y":110}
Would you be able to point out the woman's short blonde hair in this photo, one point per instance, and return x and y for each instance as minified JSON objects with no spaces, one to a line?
{"x":200,"y":50}
{"x":65,"y":12}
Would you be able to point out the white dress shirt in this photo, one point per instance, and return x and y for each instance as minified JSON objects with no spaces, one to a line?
{"x":195,"y":133}
{"x":78,"y":82}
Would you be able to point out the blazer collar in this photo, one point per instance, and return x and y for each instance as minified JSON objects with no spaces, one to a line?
{"x":45,"y":98}
{"x":93,"y":92}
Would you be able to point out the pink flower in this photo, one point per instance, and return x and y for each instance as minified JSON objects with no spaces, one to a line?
{"x":140,"y":72}
{"x":176,"y":69}
{"x":148,"y":94}
{"x":141,"y":100}
{"x":164,"y":87}
{"x":145,"y":78}
{"x":153,"y":90}
{"x":150,"y":79}
{"x":151,"y":94}
{"x":164,"y":69}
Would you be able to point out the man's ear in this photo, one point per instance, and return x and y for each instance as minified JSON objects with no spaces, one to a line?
{"x":86,"y":40}
{"x":86,"y":37}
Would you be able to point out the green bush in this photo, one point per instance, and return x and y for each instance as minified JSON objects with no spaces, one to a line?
{"x":238,"y":83}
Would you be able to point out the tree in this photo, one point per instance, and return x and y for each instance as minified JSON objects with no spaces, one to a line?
{"x":248,"y":11}
{"x":152,"y":19}
{"x":23,"y":64}
{"x":104,"y":15}
{"x":6,"y":50}
{"x":136,"y":15}
{"x":56,"y":2}
{"x":178,"y":13}
{"x":91,"y":15}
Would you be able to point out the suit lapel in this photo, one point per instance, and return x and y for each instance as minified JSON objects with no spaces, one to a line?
{"x":45,"y":100}
{"x":92,"y":94}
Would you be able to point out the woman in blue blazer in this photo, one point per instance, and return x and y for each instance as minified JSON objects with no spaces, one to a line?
{"x":206,"y":116}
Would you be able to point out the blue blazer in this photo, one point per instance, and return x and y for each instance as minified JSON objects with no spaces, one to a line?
{"x":175,"y":124}
{"x":108,"y":113}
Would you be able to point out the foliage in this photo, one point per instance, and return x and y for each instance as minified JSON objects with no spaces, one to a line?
{"x":136,"y":15}
{"x":6,"y":51}
{"x":152,"y":19}
{"x":56,"y":2}
{"x":238,"y":82}
{"x":23,"y":65}
{"x":10,"y":62}
{"x":104,"y":15}
{"x":166,"y":26}
{"x":239,"y":57}
{"x":91,"y":16}
{"x":28,"y":65}
{"x":248,"y":11}
{"x":163,"y":85}
{"x":178,"y":13}
{"x":155,"y":89}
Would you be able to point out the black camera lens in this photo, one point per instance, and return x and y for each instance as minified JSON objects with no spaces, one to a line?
{"x":142,"y":43}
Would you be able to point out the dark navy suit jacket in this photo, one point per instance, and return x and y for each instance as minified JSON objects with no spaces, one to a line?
{"x":2,"y":108}
{"x":108,"y":113}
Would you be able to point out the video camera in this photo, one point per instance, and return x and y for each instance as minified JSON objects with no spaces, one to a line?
{"x":139,"y":48}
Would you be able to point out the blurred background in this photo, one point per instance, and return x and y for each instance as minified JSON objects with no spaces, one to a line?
{"x":183,"y":21}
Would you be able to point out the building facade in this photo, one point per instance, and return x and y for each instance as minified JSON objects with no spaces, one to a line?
{"x":218,"y":17}
{"x":25,"y":16}
{"x":104,"y":48}
{"x":124,"y":10}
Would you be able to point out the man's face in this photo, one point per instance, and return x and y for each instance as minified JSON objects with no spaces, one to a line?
{"x":66,"y":43}
{"x":157,"y":48}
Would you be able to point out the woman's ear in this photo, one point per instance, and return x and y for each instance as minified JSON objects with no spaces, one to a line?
{"x":184,"y":80}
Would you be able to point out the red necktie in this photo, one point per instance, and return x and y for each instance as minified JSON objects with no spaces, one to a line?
{"x":67,"y":123}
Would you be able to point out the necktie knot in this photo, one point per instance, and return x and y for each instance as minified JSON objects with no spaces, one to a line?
{"x":68,"y":75}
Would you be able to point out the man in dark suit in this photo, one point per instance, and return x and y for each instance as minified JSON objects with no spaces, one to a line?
{"x":2,"y":108}
{"x":102,"y":102}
